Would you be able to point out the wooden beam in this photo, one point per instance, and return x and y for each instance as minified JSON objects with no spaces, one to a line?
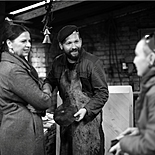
{"x":57,"y":5}
{"x":128,"y":10}
{"x":2,"y":11}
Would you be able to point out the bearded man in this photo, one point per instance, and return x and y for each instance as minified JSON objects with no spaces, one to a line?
{"x":81,"y":82}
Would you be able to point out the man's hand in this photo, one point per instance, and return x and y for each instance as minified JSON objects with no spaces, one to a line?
{"x":80,"y":114}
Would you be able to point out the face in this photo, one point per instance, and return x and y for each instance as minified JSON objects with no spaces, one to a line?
{"x":21,"y":45}
{"x":72,"y":46}
{"x":141,"y":61}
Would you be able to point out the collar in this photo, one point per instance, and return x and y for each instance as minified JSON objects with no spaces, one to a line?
{"x":147,"y":78}
{"x":6,"y":56}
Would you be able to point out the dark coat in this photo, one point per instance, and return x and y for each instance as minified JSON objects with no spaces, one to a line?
{"x":21,"y":131}
{"x":144,"y":143}
{"x":85,"y":137}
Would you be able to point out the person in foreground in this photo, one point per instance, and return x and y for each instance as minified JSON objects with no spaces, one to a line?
{"x":22,"y":99}
{"x":140,"y":140}
{"x":81,"y":82}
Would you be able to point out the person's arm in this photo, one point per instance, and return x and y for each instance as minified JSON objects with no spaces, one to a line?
{"x":100,"y":88}
{"x":47,"y":88}
{"x":22,"y":84}
{"x":144,"y":143}
{"x":50,"y":82}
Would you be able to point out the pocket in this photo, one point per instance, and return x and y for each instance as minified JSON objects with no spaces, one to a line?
{"x":86,"y":83}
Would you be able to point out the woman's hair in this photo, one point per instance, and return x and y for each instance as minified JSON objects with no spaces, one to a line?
{"x":10,"y":31}
{"x":149,"y":43}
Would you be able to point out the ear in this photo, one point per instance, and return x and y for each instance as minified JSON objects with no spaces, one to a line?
{"x":151,"y":58}
{"x":60,"y":45}
{"x":9,"y":43}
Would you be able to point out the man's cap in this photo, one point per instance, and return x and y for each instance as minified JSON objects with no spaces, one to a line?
{"x":64,"y":114}
{"x":65,"y":32}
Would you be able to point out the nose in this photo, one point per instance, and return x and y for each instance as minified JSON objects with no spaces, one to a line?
{"x":134,"y":61}
{"x":73,"y":45}
{"x":28,"y":44}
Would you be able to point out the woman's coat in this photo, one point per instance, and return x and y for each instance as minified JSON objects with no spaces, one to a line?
{"x":21,"y":131}
{"x":144,"y":143}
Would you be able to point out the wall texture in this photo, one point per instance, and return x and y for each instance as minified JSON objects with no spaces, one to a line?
{"x":112,"y":38}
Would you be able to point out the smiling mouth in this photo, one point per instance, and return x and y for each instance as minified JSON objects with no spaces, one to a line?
{"x":74,"y":53}
{"x":27,"y":50}
{"x":26,"y":53}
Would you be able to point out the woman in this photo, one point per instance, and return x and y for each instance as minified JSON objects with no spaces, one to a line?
{"x":140,"y":140}
{"x":22,"y":100}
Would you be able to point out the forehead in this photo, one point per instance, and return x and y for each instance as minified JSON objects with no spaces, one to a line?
{"x":23,"y":35}
{"x":143,"y":48}
{"x":73,"y":36}
{"x":140,"y":47}
{"x":140,"y":44}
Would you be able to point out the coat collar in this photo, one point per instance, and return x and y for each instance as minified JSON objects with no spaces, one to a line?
{"x":147,"y":81}
{"x":6,"y":56}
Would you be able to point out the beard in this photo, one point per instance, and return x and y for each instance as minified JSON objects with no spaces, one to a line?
{"x":73,"y":57}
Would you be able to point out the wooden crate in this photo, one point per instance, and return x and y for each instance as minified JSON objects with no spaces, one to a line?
{"x":117,"y":113}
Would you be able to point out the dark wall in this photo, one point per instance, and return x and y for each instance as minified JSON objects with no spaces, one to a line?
{"x":113,"y":37}
{"x":2,"y":11}
{"x":2,"y":14}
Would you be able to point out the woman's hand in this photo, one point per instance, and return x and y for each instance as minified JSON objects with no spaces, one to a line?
{"x":129,"y":131}
{"x":80,"y":114}
{"x":47,"y":89}
{"x":116,"y":149}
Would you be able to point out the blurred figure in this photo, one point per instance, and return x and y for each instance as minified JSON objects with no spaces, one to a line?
{"x":140,"y":140}
{"x":22,"y":100}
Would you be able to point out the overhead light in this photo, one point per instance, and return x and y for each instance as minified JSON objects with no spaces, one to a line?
{"x":30,"y":7}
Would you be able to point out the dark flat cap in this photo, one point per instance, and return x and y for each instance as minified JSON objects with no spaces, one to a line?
{"x":65,"y":32}
{"x":64,"y":114}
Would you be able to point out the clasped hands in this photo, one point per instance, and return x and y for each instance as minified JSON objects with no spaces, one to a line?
{"x":79,"y":114}
{"x":116,"y":148}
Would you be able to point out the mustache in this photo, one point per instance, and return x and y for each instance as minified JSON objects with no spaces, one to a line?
{"x":74,"y":50}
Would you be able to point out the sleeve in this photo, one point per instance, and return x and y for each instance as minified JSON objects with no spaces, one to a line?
{"x":50,"y":80}
{"x":22,"y":84}
{"x":100,"y":88}
{"x":144,"y":143}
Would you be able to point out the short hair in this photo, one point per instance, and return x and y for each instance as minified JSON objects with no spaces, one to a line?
{"x":149,"y":41}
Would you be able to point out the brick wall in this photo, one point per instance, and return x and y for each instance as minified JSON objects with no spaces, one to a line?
{"x":113,"y":39}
